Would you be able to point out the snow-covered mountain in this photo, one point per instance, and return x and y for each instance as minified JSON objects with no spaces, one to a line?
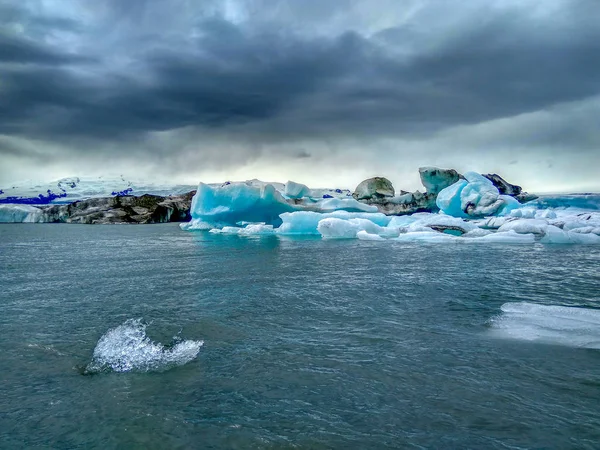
{"x":67,"y":190}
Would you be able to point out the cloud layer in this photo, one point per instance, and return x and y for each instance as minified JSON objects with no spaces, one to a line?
{"x":177,"y":90}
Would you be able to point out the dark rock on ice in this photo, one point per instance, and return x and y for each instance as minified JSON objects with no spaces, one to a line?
{"x":506,"y":188}
{"x":123,"y":209}
{"x":435,"y":179}
{"x":374,"y":188}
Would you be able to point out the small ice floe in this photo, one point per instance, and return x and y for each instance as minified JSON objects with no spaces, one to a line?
{"x":561,"y":325}
{"x":127,"y":348}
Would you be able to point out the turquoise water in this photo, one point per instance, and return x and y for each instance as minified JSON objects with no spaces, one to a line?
{"x":308,"y":343}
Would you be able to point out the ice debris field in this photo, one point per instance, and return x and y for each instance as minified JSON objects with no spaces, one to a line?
{"x":472,"y":210}
{"x":467,"y":208}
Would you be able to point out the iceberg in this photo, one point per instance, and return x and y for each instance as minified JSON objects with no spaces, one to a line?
{"x":523,"y":226}
{"x":230,"y":204}
{"x":307,"y":222}
{"x":296,"y":190}
{"x":475,"y":196}
{"x":235,"y":202}
{"x":472,"y":210}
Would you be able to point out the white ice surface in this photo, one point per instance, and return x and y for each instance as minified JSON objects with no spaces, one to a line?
{"x":562,"y":325}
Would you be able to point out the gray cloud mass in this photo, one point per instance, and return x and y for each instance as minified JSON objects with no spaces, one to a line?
{"x":223,"y":85}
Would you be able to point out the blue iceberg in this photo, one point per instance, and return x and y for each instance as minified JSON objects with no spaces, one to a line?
{"x":474,"y":196}
{"x":230,"y":204}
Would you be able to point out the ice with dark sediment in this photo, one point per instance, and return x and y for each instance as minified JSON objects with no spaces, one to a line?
{"x":471,"y":210}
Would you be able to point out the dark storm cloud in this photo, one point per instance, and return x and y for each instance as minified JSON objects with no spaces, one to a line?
{"x":14,"y":49}
{"x":124,"y":76}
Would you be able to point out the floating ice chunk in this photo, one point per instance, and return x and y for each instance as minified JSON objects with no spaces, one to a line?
{"x":127,"y":348}
{"x":405,"y":221}
{"x":337,"y":228}
{"x":448,"y":200}
{"x":226,"y":230}
{"x":476,"y":233}
{"x":493,"y":222}
{"x":441,"y":221}
{"x":523,"y":213}
{"x":582,"y":220}
{"x":235,"y":202}
{"x":250,"y":230}
{"x":510,"y":204}
{"x":347,"y":229}
{"x":296,"y":190}
{"x":20,"y":214}
{"x":569,"y":326}
{"x":508,"y":237}
{"x":257,"y":229}
{"x":555,"y":235}
{"x":545,"y":214}
{"x":344,"y":204}
{"x":196,"y":225}
{"x":525,"y":226}
{"x":427,"y":236}
{"x":584,"y":238}
{"x":585,"y":230}
{"x":364,"y":236}
{"x":306,"y":222}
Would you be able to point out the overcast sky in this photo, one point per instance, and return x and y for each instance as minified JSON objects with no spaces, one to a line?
{"x":325,"y":92}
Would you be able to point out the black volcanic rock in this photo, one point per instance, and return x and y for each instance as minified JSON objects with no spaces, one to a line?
{"x":404,"y":204}
{"x":124,"y":209}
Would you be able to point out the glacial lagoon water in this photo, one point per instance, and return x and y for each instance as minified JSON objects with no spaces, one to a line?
{"x":151,"y":337}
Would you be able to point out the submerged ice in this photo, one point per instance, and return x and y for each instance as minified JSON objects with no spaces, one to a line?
{"x":127,"y":348}
{"x":561,"y":325}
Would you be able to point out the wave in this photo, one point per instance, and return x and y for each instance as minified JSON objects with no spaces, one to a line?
{"x":562,"y":325}
{"x":127,"y":348}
